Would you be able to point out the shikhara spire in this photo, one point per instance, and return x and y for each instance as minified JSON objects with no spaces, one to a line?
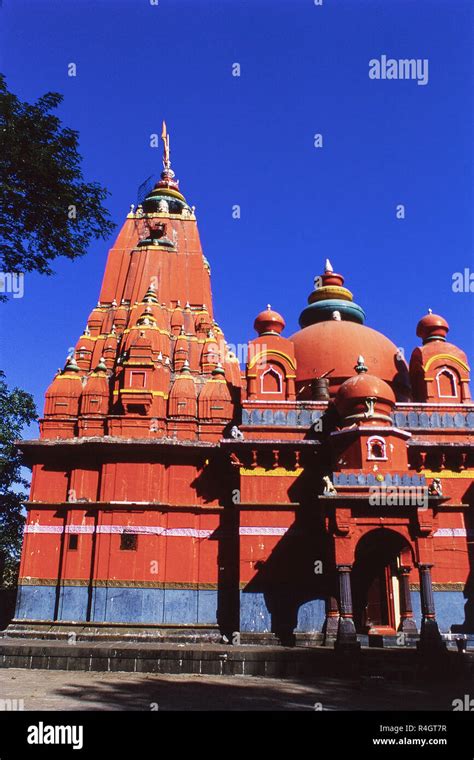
{"x":143,"y":337}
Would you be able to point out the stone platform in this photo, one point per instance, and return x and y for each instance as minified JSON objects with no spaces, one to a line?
{"x":398,"y":665}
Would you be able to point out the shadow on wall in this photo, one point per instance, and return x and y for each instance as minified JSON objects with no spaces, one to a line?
{"x":287,"y":581}
{"x":7,"y":606}
{"x":468,"y":625}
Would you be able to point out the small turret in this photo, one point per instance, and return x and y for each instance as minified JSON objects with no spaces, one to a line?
{"x":215,"y":403}
{"x":95,"y":402}
{"x":439,"y":370}
{"x":62,"y":402}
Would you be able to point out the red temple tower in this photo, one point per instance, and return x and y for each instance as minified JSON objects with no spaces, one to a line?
{"x":320,"y":493}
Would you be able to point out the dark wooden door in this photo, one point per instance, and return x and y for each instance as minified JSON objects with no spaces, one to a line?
{"x":379,"y":610}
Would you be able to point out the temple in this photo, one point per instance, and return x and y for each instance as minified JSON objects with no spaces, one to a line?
{"x":320,"y":493}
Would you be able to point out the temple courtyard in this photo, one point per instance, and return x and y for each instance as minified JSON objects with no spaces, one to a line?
{"x":77,"y":690}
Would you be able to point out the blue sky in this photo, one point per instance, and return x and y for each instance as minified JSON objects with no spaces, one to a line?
{"x":249,"y":140}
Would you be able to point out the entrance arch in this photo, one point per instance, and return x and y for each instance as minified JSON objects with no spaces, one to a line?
{"x":380,"y":583}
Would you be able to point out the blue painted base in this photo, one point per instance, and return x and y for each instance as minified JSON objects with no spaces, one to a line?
{"x":256,"y":617}
{"x":119,"y":605}
{"x":259,"y":613}
{"x":35,"y":603}
{"x":449,"y":607}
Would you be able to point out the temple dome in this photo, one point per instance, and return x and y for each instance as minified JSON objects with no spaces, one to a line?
{"x":269,"y":321}
{"x":432,"y":327}
{"x":333,"y":332}
{"x":352,"y":393}
{"x":331,"y":345}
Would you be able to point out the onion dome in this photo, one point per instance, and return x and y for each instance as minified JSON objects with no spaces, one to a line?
{"x":215,"y":401}
{"x":334,"y":333}
{"x":329,"y":296}
{"x":182,"y":400}
{"x":364,"y":397}
{"x":432,"y":327}
{"x":439,"y":370}
{"x":269,"y":322}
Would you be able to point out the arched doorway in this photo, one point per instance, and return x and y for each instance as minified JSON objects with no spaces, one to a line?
{"x":379,"y":601}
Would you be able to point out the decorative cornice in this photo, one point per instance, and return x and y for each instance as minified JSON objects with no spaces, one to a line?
{"x":85,"y":583}
{"x":448,"y":586}
{"x":279,"y":472}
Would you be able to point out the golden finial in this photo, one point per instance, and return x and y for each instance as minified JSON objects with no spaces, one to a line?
{"x":166,"y":146}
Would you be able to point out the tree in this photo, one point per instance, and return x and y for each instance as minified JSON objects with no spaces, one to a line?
{"x":46,"y":211}
{"x":17,"y":409}
{"x":46,"y":208}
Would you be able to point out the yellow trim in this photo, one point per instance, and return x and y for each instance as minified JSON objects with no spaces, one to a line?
{"x":277,"y":472}
{"x":145,"y":363}
{"x":445,"y":356}
{"x":145,"y":327}
{"x":463,"y":475}
{"x":253,"y":375}
{"x":157,"y":214}
{"x":69,"y":377}
{"x":164,"y":191}
{"x":138,"y":390}
{"x":330,"y":291}
{"x":272,"y":352}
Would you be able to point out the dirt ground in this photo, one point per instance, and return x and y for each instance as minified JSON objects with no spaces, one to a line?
{"x":78,"y":690}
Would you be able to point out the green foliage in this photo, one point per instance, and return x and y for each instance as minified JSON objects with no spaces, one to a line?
{"x":46,"y":209}
{"x":16,"y":410}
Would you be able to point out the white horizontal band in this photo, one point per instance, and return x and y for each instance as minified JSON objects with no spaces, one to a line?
{"x":195,"y":533}
{"x":149,"y":530}
{"x":262,"y":531}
